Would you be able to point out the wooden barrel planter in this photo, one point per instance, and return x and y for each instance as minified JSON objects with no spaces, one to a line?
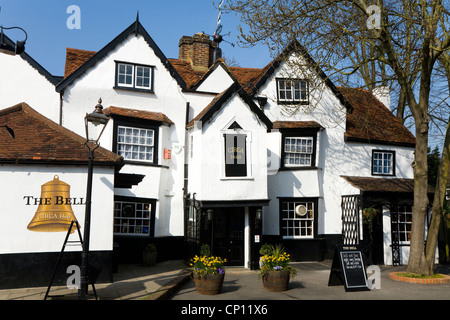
{"x":210,"y":284}
{"x":276,"y":281}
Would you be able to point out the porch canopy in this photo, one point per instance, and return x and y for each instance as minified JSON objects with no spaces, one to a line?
{"x":367,"y":184}
{"x":397,"y":185}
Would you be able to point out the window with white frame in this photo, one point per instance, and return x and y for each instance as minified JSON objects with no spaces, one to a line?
{"x":383,"y":162}
{"x":132,"y":76}
{"x":133,"y":218}
{"x":292,"y":91}
{"x":297,"y":218}
{"x":298,"y":151}
{"x":401,"y":223}
{"x":136,"y":144}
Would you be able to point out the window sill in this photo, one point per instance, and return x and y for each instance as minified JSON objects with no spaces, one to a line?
{"x":298,"y":168}
{"x":236,"y":178}
{"x":145,"y":164}
{"x":294,"y":103}
{"x":299,"y":238}
{"x":134,"y":89}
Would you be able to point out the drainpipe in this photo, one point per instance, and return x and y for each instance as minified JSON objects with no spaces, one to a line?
{"x":61,"y":107}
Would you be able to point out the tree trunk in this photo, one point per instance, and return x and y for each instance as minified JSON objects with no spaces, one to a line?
{"x":417,"y":261}
{"x":438,"y":203}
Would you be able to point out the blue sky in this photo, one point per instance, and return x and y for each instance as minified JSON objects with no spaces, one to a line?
{"x":45,"y":22}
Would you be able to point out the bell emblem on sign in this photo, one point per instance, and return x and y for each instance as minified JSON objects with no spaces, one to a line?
{"x":54,"y":213}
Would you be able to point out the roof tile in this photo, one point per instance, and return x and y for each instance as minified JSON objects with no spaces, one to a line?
{"x":75,"y":58}
{"x":140,"y":114}
{"x":372,"y":121}
{"x":39,"y":139}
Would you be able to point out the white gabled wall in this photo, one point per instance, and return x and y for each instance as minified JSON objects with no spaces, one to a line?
{"x":163,"y":183}
{"x":334,"y":156}
{"x":218,"y":81}
{"x":206,"y":167}
{"x":20,"y":82}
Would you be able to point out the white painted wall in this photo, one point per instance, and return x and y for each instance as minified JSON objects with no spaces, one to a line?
{"x":98,"y":82}
{"x":206,"y":168}
{"x":15,"y":214}
{"x":20,"y":82}
{"x":219,"y":80}
{"x":334,"y":157}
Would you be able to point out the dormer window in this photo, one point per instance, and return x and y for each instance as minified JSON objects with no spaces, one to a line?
{"x":134,"y":76}
{"x":292,"y":91}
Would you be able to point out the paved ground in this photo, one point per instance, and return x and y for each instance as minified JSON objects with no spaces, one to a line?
{"x":170,"y":281}
{"x":311,"y":283}
{"x":132,"y":282}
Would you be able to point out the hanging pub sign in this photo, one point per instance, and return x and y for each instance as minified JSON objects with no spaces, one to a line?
{"x":348,"y":268}
{"x":235,"y":155}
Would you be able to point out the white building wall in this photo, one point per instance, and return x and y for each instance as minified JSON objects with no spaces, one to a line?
{"x":334,"y":156}
{"x":16,"y":210}
{"x":20,"y":82}
{"x":206,"y":170}
{"x":219,"y":80}
{"x":162,"y":183}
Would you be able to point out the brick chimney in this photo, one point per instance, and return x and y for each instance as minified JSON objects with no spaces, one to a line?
{"x":198,"y":50}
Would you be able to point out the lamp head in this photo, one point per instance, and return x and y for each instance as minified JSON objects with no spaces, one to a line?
{"x":95,"y":123}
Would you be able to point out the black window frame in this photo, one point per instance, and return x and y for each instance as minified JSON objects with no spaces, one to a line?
{"x":142,"y":124}
{"x":293,"y":101}
{"x":393,"y":163}
{"x":117,"y":85}
{"x":236,"y":170}
{"x":314,"y":200}
{"x":298,"y":133}
{"x":152,"y":218}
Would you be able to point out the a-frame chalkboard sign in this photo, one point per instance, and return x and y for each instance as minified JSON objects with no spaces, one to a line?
{"x":348,"y":268}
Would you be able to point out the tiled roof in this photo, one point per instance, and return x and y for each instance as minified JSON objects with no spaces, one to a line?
{"x":296,"y":125}
{"x":75,"y":58}
{"x":368,"y":120}
{"x":368,"y":184}
{"x":185,"y":70}
{"x":221,"y":98}
{"x":40,"y":140}
{"x":372,"y":121}
{"x":140,"y":114}
{"x":247,"y":77}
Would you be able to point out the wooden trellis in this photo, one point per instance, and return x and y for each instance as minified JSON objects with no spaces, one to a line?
{"x":351,"y":206}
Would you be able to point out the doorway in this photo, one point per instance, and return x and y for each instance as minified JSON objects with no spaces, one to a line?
{"x":228,"y":235}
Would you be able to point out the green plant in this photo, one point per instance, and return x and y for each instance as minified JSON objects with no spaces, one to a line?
{"x":277,"y":260}
{"x":205,"y":250}
{"x":265,"y":249}
{"x":369,"y":218}
{"x":422,"y":276}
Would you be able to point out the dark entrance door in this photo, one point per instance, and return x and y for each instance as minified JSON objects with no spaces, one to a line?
{"x":228,"y":235}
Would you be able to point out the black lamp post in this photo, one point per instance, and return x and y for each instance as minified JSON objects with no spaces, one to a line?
{"x":95,"y":123}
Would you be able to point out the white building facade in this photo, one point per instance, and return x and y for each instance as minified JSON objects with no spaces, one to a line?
{"x":234,"y":157}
